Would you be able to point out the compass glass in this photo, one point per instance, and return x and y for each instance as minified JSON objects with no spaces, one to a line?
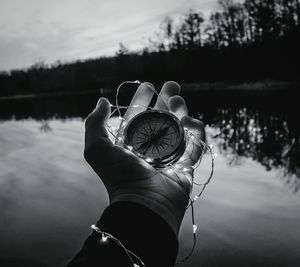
{"x":156,"y":136}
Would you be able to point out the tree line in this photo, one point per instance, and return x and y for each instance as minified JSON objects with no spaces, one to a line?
{"x":252,"y":40}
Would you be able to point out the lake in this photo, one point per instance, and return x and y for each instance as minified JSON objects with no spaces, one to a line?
{"x":249,"y":214}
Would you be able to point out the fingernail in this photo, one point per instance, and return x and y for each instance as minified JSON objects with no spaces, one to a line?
{"x":99,"y":102}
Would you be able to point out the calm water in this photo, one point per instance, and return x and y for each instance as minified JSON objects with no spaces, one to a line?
{"x":248,"y":216}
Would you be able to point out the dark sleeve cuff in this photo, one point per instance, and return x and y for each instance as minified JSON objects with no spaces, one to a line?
{"x":139,"y":229}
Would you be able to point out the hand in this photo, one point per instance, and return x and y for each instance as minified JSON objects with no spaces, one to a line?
{"x":128,"y":177}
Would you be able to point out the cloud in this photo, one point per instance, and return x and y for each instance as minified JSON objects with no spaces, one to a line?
{"x":35,"y":30}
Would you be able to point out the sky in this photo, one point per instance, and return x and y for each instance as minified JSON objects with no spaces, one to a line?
{"x":32,"y":31}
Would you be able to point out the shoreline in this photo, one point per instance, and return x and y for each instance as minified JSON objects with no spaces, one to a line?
{"x":261,"y":87}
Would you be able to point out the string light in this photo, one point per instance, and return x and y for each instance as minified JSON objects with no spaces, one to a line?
{"x":106,"y":236}
{"x":169,"y":170}
{"x":180,"y":168}
{"x":130,"y":148}
{"x":195,"y":228}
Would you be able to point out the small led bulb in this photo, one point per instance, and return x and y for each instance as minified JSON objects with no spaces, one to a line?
{"x":135,"y":106}
{"x":104,"y":238}
{"x":185,"y":169}
{"x":194,"y":228}
{"x":149,"y":160}
{"x":130,"y":148}
{"x":195,"y":198}
{"x":120,"y":118}
{"x":169,"y":170}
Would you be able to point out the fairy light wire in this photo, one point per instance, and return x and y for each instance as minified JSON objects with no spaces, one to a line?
{"x":117,"y":134}
{"x":105,"y":236}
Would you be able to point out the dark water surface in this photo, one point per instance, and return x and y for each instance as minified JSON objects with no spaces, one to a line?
{"x":249,"y":214}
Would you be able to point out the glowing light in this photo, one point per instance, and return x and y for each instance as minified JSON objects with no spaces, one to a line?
{"x":135,"y":265}
{"x":120,"y":118}
{"x":211,"y":146}
{"x":129,"y":148}
{"x":181,"y":159}
{"x":120,"y":139}
{"x":215,"y":155}
{"x":104,"y":238}
{"x":195,"y":198}
{"x":149,"y":160}
{"x":135,"y":106}
{"x":169,"y":170}
{"x":195,"y":228}
{"x":185,"y":169}
{"x":111,"y":105}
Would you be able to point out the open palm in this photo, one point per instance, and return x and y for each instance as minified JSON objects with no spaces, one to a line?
{"x":128,"y":177}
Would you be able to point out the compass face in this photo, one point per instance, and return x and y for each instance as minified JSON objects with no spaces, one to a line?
{"x":156,"y":136}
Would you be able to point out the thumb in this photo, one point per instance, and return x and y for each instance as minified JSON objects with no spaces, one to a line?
{"x":97,"y":120}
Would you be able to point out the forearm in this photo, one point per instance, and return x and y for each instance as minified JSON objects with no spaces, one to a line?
{"x":139,"y":229}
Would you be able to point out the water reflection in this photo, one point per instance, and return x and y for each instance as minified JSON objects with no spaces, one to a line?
{"x":45,"y":126}
{"x":269,"y":136}
{"x":245,"y":218}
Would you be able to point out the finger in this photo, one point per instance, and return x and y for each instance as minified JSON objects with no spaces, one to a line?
{"x":96,"y":121}
{"x":96,"y":136}
{"x":195,"y":141}
{"x":177,"y":106}
{"x":169,"y":89}
{"x":196,"y":127}
{"x":140,"y":100}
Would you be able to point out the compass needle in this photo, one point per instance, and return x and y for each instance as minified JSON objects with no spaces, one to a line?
{"x":157,"y":135}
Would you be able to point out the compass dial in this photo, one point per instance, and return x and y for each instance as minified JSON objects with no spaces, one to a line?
{"x":156,"y":136}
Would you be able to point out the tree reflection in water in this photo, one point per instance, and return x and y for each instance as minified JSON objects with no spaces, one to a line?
{"x":271,"y":139}
{"x":269,"y":136}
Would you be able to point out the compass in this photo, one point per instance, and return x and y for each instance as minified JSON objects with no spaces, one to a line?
{"x":156,"y":136}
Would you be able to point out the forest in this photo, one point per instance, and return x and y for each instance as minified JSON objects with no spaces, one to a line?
{"x":241,"y":42}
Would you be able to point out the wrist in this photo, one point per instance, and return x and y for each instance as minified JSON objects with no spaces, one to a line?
{"x":158,"y":204}
{"x":141,"y":231}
